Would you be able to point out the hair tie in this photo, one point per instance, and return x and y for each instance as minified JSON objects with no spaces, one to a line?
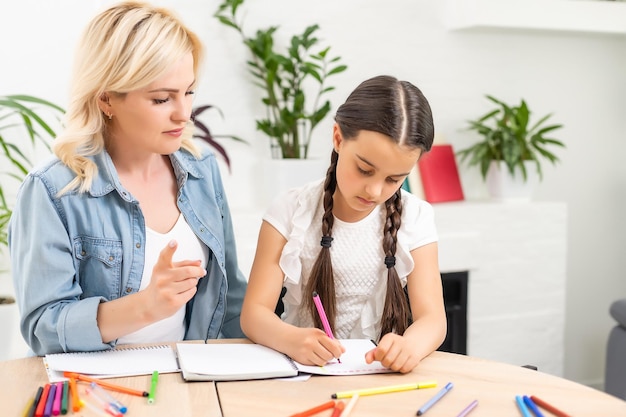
{"x":390,"y":261}
{"x":326,"y":241}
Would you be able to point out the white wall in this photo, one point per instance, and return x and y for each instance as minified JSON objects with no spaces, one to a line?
{"x":578,"y":76}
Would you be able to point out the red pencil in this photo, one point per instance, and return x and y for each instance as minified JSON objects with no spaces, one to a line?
{"x":315,"y":410}
{"x":549,"y":407}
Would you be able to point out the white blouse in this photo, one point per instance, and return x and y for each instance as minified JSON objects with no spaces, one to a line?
{"x":357,"y":256}
{"x":170,"y":329}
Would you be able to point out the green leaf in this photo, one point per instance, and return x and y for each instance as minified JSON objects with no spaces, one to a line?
{"x":338,"y":69}
{"x":282,"y":75}
{"x":506,"y":137}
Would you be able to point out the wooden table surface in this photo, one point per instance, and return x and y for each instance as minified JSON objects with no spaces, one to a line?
{"x":493,"y":384}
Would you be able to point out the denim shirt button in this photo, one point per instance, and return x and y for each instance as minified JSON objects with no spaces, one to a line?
{"x":83,"y":253}
{"x":137,"y":245}
{"x":202,"y":229}
{"x":110,"y":258}
{"x":128,"y":290}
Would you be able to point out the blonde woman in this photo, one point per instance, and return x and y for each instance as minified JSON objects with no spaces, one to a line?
{"x":125,"y":235}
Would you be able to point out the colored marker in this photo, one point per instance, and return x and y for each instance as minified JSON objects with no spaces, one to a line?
{"x":66,"y":396}
{"x":104,"y":384}
{"x":322,"y":313}
{"x":339,"y":406}
{"x":76,"y":402}
{"x":153,"y":386}
{"x":468,"y":409}
{"x":384,"y":390}
{"x":56,"y":405}
{"x":315,"y":410}
{"x":47,"y":412}
{"x":42,"y":401}
{"x":94,"y":408}
{"x":541,"y":403}
{"x":102,"y":393}
{"x":435,"y":398}
{"x":102,"y":403}
{"x":350,"y":406}
{"x":33,"y":406}
{"x":522,"y":407}
{"x":532,"y":406}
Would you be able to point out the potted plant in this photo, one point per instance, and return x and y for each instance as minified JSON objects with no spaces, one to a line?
{"x":511,"y":150}
{"x":204,"y":133}
{"x":18,"y":113}
{"x":291,"y":113}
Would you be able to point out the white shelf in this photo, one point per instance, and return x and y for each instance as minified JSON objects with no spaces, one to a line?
{"x":606,"y":17}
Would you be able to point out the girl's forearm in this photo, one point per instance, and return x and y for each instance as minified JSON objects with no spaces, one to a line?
{"x":428,"y":332}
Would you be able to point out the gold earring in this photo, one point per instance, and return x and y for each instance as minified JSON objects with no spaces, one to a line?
{"x":110,"y":116}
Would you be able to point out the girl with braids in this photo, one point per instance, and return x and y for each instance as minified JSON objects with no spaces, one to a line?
{"x":356,"y":239}
{"x":124,"y":235}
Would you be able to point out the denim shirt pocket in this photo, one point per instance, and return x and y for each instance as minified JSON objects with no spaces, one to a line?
{"x":99,"y":266}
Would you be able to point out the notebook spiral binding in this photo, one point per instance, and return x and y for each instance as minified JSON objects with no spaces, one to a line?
{"x":122,"y":361}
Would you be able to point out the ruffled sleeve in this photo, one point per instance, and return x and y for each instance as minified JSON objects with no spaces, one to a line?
{"x":418,"y":229}
{"x":292,"y":215}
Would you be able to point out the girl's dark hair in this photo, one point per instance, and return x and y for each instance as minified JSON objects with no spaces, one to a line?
{"x":399,"y":110}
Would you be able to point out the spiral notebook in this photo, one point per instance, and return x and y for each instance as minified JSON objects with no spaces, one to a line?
{"x":112,"y":363}
{"x":243,"y":361}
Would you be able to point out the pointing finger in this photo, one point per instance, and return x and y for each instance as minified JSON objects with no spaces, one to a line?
{"x":167,"y":253}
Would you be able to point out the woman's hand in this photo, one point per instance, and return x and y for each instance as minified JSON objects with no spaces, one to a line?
{"x":172,"y":283}
{"x":395,"y":352}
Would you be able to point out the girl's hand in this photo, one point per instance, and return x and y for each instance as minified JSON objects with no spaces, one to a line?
{"x":311,"y":346}
{"x":394,"y":352}
{"x":172,"y":283}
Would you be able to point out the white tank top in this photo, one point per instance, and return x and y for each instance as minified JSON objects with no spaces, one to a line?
{"x":171,"y":329}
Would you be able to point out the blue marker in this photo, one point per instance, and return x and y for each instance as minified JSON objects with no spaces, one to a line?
{"x":522,"y":406}
{"x":434,"y":399}
{"x":533,"y":407}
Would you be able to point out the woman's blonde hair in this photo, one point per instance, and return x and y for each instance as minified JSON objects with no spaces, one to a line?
{"x":124,"y":48}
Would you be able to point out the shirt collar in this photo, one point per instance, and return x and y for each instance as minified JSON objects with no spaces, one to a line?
{"x":108,"y":180}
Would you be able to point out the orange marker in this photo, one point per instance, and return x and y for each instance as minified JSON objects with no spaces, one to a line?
{"x":315,"y":410}
{"x":338,"y":409}
{"x":76,"y":404}
{"x":105,"y":384}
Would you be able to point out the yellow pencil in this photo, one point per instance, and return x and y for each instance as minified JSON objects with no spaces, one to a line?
{"x":28,"y":407}
{"x":385,"y":390}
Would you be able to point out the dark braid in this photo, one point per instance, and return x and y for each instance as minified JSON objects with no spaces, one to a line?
{"x":396,"y":311}
{"x":321,"y":279}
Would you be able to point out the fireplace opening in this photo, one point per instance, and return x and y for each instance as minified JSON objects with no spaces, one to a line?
{"x":455,"y":300}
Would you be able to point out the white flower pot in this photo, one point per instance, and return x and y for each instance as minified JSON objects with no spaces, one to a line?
{"x":281,"y":175}
{"x":506,"y":187}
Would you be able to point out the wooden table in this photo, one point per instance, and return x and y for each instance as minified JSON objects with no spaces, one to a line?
{"x":493,"y":384}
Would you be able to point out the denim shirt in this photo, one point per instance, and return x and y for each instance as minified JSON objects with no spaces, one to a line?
{"x":70,"y":253}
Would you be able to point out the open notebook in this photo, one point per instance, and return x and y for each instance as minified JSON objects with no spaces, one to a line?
{"x":234,"y":361}
{"x":129,"y":361}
